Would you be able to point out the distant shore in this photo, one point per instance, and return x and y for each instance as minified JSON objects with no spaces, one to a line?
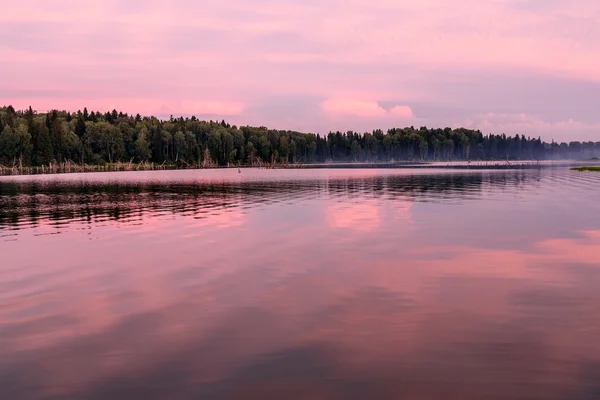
{"x":587,"y":168}
{"x":481,"y":165}
{"x":69,"y":167}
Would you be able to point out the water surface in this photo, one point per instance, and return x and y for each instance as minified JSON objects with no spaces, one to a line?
{"x":320,"y":284}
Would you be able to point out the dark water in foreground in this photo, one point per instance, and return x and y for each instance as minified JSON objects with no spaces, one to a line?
{"x":328,"y":284}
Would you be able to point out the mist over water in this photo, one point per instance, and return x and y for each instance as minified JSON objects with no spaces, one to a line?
{"x":324,"y":284}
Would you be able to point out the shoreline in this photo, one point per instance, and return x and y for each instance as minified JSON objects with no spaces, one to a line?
{"x":66,"y":168}
{"x":587,"y":168}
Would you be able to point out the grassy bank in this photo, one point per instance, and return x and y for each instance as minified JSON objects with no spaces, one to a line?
{"x":596,"y":169}
{"x":71,"y":167}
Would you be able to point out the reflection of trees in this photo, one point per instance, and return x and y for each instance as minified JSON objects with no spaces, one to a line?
{"x":29,"y":203}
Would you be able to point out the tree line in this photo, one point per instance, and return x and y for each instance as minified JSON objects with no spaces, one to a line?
{"x":32,"y":138}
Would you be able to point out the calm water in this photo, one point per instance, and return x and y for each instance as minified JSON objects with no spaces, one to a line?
{"x":311,"y":284}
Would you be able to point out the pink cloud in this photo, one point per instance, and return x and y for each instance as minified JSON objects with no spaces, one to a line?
{"x":523,"y":123}
{"x":401,"y":111}
{"x":366,"y":217}
{"x":364,"y":108}
{"x":359,"y":217}
{"x":232,"y":59}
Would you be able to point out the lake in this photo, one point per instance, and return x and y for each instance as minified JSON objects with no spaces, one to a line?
{"x":308,"y":284}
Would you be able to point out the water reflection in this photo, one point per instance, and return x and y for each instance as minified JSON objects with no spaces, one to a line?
{"x":302,"y":285}
{"x":27,"y":203}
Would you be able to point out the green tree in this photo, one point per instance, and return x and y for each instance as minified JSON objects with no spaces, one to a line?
{"x":102,"y":142}
{"x":292,"y":151}
{"x":15,"y":144}
{"x":142,"y":146}
{"x":72,"y":147}
{"x":265,"y":148}
{"x":180,"y":145}
{"x":80,"y":127}
{"x":42,"y":142}
{"x":423,"y":149}
{"x":113,"y":143}
{"x":251,"y":152}
{"x":448,"y":148}
{"x":111,"y":136}
{"x":192,"y":154}
{"x":283,"y":148}
{"x":166,"y":140}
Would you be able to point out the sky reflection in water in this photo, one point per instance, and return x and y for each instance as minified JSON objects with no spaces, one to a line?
{"x":301,"y":284}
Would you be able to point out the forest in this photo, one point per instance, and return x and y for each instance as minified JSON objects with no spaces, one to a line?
{"x":32,"y":139}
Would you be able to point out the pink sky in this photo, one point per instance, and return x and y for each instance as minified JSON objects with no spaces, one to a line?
{"x":514,"y":66}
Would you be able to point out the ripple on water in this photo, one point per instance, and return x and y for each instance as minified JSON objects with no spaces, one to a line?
{"x":315,"y":284}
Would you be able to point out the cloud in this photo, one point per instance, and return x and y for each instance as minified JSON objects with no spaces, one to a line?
{"x":229,"y":58}
{"x":359,"y":217}
{"x":530,"y":125}
{"x":131,"y":342}
{"x":364,"y":108}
